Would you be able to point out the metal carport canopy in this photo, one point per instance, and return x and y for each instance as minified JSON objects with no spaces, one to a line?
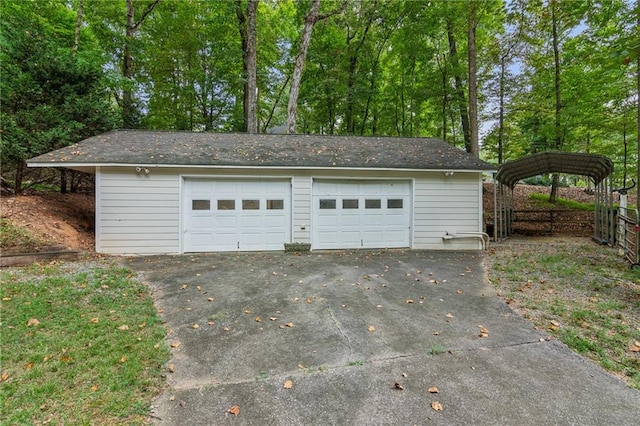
{"x":595,"y":166}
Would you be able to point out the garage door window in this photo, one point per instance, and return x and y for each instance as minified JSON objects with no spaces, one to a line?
{"x":350,"y":204}
{"x":200,"y":204}
{"x":327,"y":204}
{"x":226,"y":204}
{"x":275,"y":204}
{"x":394,"y":203}
{"x":250,"y":204}
{"x":372,"y":204}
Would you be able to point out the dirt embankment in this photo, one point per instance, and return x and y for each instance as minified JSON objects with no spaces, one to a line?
{"x":59,"y":219}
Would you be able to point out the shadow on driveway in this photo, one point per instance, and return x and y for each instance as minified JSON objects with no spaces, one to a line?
{"x":362,"y":337}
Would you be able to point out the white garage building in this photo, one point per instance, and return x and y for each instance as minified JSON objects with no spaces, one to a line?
{"x":177,"y":192}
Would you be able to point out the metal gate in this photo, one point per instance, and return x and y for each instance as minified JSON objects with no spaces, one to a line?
{"x":628,"y":235}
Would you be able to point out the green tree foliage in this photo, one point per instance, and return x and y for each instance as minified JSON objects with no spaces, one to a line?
{"x":380,"y":67}
{"x":50,"y":96}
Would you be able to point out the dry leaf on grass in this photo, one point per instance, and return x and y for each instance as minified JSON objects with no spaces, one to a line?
{"x":635,"y":347}
{"x":123,"y":327}
{"x":32,"y":322}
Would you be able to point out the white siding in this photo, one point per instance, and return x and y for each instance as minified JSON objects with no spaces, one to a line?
{"x":447,"y":203}
{"x":301,"y":209}
{"x":137,"y":213}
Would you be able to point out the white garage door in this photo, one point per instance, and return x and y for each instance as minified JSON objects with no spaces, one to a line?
{"x":361,"y":214}
{"x":231,"y":215}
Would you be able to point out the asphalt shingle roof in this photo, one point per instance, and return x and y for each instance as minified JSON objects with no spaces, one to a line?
{"x":140,"y":147}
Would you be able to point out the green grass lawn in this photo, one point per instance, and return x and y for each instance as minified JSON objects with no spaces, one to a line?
{"x":582,"y":293}
{"x":81,"y":343}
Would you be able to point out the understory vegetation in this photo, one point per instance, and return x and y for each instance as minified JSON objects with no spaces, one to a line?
{"x":81,"y":344}
{"x":582,"y":293}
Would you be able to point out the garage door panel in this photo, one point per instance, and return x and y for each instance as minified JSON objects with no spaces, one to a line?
{"x":365,"y":214}
{"x":244,"y":214}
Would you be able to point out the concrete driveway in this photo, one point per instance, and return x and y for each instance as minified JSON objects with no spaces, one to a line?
{"x":362,"y":338}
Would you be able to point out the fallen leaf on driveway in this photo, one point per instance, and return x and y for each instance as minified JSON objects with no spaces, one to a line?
{"x":288,"y":384}
{"x":371,"y":328}
{"x":183,"y":286}
{"x":171,"y":368}
{"x":483,"y":331}
{"x":398,"y":386}
{"x":437,"y":406}
{"x":433,"y":389}
{"x":175,"y":344}
{"x":235,"y":410}
{"x":449,"y":316}
{"x":195,"y":326}
{"x":409,"y":300}
{"x":211,"y":299}
{"x":258,"y":319}
{"x":290,"y":324}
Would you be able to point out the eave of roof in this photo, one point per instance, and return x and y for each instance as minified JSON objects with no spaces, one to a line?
{"x":164,"y":149}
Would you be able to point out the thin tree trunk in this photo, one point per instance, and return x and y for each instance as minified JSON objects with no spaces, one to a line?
{"x":79,"y":20}
{"x":638,"y":119}
{"x":275,"y":104}
{"x":503,"y":71}
{"x":558,"y":106}
{"x":473,"y":82}
{"x":464,"y":116}
{"x":17,"y":188}
{"x":129,"y":119}
{"x":312,"y":17}
{"x":305,"y":40}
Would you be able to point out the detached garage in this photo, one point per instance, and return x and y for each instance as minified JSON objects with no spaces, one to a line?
{"x":177,"y":192}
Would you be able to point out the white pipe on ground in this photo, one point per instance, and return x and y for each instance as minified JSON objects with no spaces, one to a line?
{"x":483,"y":236}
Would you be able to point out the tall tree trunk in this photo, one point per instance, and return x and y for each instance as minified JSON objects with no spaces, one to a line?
{"x":252,"y":72}
{"x":558,"y":107}
{"x":79,"y":20}
{"x":464,"y":116}
{"x":305,"y":40}
{"x":17,"y":185}
{"x":129,"y":113}
{"x":247,"y":26}
{"x":503,"y":70}
{"x":310,"y":20}
{"x":473,"y":81}
{"x":63,"y":180}
{"x":638,"y":118}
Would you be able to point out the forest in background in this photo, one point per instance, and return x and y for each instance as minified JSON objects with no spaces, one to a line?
{"x":501,"y":79}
